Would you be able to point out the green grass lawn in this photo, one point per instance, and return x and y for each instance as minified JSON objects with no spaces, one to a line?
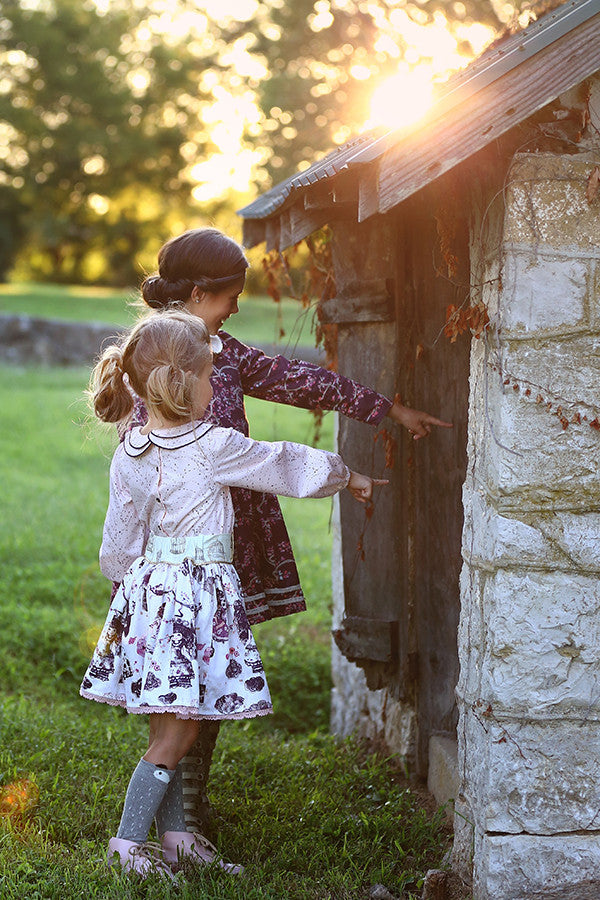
{"x":309,"y":816}
{"x":258,"y":322}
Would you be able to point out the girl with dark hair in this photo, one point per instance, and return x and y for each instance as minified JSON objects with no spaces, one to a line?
{"x":203,"y":271}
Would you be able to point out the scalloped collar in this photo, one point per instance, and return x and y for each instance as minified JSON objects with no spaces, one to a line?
{"x":136,"y":443}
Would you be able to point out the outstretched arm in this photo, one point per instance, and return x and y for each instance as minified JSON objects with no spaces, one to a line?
{"x":299,"y":383}
{"x":281,"y":467}
{"x":296,"y":382}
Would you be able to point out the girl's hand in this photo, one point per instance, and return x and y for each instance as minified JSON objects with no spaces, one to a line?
{"x":418,"y":423}
{"x":361,"y":486}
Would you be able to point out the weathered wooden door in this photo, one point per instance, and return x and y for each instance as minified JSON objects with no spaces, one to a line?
{"x":434,"y":375}
{"x":401,"y":568}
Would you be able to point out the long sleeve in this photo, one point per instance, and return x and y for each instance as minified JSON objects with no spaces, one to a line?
{"x":123,"y":536}
{"x":282,"y":467}
{"x":306,"y":385}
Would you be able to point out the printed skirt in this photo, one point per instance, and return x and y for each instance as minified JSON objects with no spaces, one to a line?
{"x":177,"y":637}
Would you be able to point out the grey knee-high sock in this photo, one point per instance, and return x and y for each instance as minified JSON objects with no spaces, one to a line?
{"x":147,"y":787}
{"x":170,"y":815}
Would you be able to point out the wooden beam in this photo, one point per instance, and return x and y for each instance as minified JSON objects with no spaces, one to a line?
{"x":254,"y":232}
{"x":318,"y":196}
{"x":272,"y":233}
{"x":336,"y":190}
{"x":285,"y":230}
{"x":365,"y":301}
{"x":429,"y":151}
{"x":345,"y":190}
{"x":368,"y":191}
{"x":360,"y":638}
{"x":303,"y":222}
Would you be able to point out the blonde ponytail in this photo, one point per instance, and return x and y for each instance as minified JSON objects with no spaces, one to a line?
{"x":168,"y":392}
{"x":158,"y":358}
{"x":111,"y":399}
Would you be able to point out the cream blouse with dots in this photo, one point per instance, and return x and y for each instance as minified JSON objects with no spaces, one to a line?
{"x":175,"y":482}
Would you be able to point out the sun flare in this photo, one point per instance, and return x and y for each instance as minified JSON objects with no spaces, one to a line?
{"x":431,"y":56}
{"x":402,"y":99}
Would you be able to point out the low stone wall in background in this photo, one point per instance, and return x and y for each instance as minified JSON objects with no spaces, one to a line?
{"x":26,"y":340}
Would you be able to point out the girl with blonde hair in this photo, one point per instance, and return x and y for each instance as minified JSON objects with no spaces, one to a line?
{"x":177,"y":644}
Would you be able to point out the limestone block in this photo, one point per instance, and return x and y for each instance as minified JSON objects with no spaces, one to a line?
{"x":464,"y":840}
{"x":542,"y":644}
{"x":442,"y":775}
{"x":491,"y":540}
{"x":542,"y":292}
{"x":563,"y":370}
{"x":528,"y":461}
{"x":524,"y":539}
{"x":491,"y":292}
{"x":546,"y":202}
{"x":520,"y":867}
{"x":471,"y":632}
{"x":373,"y":715}
{"x":573,"y":98}
{"x":576,"y":535}
{"x":478,"y":431}
{"x":348,"y":695}
{"x":486,"y":272}
{"x":400,"y":728}
{"x":534,"y":777}
{"x":594,"y":102}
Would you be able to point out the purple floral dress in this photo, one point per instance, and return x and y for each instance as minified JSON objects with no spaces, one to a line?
{"x":263,"y":554}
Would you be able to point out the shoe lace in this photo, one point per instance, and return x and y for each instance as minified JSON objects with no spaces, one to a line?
{"x":204,"y":842}
{"x":216,"y":856}
{"x":151,"y":851}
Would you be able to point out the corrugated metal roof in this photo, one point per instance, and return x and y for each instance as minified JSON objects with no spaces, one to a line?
{"x":329,"y":165}
{"x":500,"y":58}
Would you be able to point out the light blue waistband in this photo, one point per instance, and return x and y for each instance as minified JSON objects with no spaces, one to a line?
{"x":201,"y":548}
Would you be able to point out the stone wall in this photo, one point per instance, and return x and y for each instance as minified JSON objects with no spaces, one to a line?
{"x":26,"y":340}
{"x":528,"y":811}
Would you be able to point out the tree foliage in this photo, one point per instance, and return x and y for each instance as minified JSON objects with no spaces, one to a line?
{"x":97,"y":118}
{"x":105,"y":108}
{"x":322,"y":58}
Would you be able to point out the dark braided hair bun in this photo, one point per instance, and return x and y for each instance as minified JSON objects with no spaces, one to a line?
{"x":160,"y":292}
{"x":202,"y":257}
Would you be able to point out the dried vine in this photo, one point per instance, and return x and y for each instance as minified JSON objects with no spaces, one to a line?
{"x":314,"y":283}
{"x":566,"y":129}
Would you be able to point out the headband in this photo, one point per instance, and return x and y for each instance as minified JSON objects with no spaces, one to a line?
{"x":222,"y":279}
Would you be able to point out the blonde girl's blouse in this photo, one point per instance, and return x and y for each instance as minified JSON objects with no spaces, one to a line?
{"x":176,"y":482}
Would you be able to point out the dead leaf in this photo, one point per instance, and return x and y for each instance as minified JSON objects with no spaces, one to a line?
{"x":593,"y":183}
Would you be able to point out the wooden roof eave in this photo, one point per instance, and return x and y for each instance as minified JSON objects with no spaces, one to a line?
{"x":411,"y":159}
{"x":426,"y":154}
{"x":304,"y":213}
